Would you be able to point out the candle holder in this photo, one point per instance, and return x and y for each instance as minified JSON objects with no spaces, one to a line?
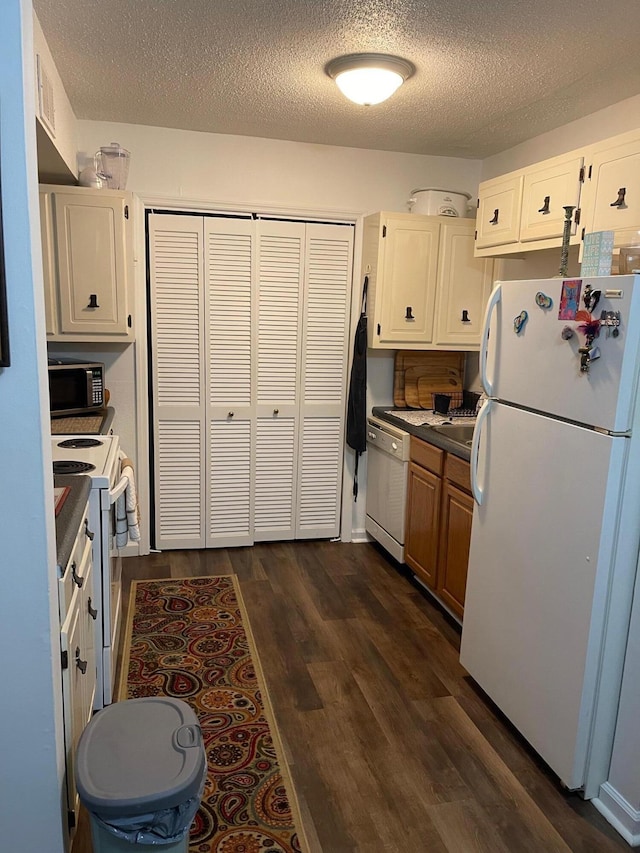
{"x":566,"y":234}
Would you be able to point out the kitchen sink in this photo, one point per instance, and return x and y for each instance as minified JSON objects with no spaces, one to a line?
{"x":460,"y":433}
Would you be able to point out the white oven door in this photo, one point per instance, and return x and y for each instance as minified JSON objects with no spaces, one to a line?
{"x":111,"y":585}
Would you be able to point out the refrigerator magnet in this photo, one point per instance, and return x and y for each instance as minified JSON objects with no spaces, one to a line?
{"x":543,"y":301}
{"x":519,"y":321}
{"x":569,"y":298}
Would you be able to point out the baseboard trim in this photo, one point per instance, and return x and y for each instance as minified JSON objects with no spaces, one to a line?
{"x":622,"y":816}
{"x":360,"y":535}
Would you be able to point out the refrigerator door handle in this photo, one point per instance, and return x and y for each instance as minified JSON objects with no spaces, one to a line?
{"x":495,"y":297}
{"x":476,"y":491}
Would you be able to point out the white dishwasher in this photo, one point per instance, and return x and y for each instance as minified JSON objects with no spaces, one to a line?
{"x":387,"y":464}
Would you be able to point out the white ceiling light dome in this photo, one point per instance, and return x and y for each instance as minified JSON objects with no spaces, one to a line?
{"x":369,"y":78}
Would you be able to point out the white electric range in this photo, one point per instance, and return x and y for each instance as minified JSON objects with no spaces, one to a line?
{"x":99,"y":457}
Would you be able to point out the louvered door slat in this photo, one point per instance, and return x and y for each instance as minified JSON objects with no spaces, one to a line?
{"x":320,"y":477}
{"x":176,"y":278}
{"x":179,"y":484}
{"x":275,"y":478}
{"x":327,"y":299}
{"x":280,"y":257}
{"x":230,"y":503}
{"x":229,"y":276}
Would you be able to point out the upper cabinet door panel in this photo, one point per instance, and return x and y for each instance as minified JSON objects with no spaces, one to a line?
{"x":92,"y":263}
{"x":546,"y":192}
{"x":498,"y":220}
{"x":464,"y":284}
{"x":409,"y":275}
{"x":615,"y":189}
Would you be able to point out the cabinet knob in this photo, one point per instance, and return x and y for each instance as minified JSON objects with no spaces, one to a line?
{"x":545,"y":206}
{"x":619,"y":202}
{"x":230,"y":415}
{"x":78,"y":581}
{"x":92,"y":611}
{"x":276,"y":411}
{"x":93,"y":301}
{"x":81,"y":664}
{"x":88,"y":533}
{"x":409,"y":314}
{"x":496,"y":213}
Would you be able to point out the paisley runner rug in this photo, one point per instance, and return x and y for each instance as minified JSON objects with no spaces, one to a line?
{"x":190,"y":639}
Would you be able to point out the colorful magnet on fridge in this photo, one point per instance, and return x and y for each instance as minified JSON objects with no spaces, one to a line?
{"x":519,"y":321}
{"x":543,"y":301}
{"x":567,"y":333}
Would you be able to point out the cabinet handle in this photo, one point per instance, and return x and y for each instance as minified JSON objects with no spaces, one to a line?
{"x":230,"y":414}
{"x":276,"y":411}
{"x":465,"y":316}
{"x":76,"y":578}
{"x":409,"y":314}
{"x":496,"y":213}
{"x":88,"y":533}
{"x":93,"y":301}
{"x":545,"y":206}
{"x":92,"y":612}
{"x":619,"y":202}
{"x":81,"y":664}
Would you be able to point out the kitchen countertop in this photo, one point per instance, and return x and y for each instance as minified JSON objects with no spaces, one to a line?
{"x":425,"y":433}
{"x":68,"y":521}
{"x":73,"y":424}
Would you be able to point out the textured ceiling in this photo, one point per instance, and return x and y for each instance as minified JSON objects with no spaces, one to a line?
{"x":489,"y":73}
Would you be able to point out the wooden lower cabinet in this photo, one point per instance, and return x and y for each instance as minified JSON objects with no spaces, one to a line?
{"x":438,"y":522}
{"x":423,"y":523}
{"x":455,"y":538}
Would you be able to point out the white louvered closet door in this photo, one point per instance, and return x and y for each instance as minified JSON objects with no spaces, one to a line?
{"x":280,"y":259}
{"x":229,"y":333}
{"x":323,"y":369}
{"x":178,"y":385}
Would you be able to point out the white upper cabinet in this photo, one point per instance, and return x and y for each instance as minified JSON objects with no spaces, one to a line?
{"x":88,"y":232}
{"x":499,"y":203}
{"x":547,"y":190}
{"x":600,"y":181}
{"x":426,"y":289}
{"x":465,"y":283}
{"x":613,"y":187}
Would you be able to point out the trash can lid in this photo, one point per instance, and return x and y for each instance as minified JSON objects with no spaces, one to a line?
{"x":138,"y":756}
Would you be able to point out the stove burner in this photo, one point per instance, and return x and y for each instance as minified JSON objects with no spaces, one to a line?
{"x":69,"y":466}
{"x":77,"y":443}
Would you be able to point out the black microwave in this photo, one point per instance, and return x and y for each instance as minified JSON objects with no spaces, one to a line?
{"x":75,"y":387}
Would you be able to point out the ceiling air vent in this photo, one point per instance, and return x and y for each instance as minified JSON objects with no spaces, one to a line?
{"x":45,"y":98}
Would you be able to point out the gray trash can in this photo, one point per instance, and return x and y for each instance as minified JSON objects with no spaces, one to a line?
{"x":140,"y":773}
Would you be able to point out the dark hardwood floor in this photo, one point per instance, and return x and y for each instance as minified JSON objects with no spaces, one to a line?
{"x":390,"y":745}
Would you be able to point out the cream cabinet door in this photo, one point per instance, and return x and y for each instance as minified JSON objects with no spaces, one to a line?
{"x":499,"y":205}
{"x":547,"y":189}
{"x":92,"y":263}
{"x":614,"y":189}
{"x":408,"y":279}
{"x":464,"y":285}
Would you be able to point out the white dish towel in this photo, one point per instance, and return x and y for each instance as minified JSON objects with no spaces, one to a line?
{"x":127,"y":515}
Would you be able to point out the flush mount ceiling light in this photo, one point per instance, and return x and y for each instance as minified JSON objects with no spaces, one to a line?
{"x":369,"y":78}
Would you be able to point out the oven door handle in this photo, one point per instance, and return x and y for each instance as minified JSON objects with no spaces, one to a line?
{"x":119,"y":488}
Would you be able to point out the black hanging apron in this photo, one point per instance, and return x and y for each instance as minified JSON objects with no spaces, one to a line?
{"x":357,"y":403}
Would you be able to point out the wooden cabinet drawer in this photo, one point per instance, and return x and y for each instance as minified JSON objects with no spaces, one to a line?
{"x":458,"y":472}
{"x":426,"y":455}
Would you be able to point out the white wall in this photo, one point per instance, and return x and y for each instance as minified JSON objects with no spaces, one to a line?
{"x":30,"y":705}
{"x":618,"y":118}
{"x":269,"y":174}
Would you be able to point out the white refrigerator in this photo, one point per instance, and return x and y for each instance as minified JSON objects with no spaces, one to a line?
{"x":556,"y":524}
